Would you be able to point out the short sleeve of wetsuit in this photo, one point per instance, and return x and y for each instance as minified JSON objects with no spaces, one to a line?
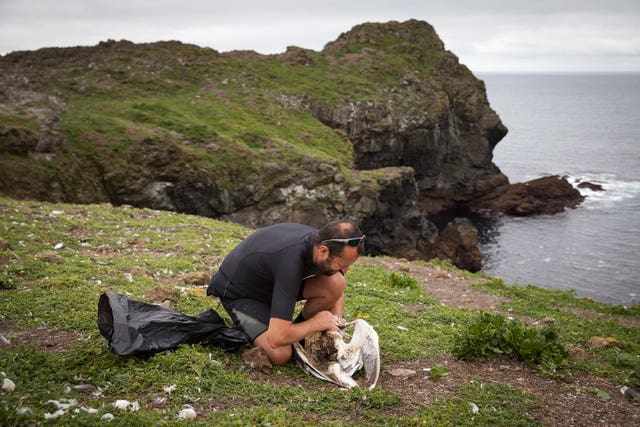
{"x":287,"y":277}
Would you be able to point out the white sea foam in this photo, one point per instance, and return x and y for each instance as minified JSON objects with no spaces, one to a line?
{"x":614,"y":189}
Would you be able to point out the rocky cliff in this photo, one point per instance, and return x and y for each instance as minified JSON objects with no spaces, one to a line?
{"x":383,"y":126}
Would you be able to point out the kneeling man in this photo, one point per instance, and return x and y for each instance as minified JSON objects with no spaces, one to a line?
{"x":261,"y":279}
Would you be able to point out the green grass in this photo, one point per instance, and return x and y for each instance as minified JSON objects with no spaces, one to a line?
{"x":619,"y":362}
{"x":131,"y":136}
{"x":497,"y":405}
{"x":58,"y":258}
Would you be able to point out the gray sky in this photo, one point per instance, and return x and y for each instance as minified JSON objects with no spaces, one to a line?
{"x":487,"y":35}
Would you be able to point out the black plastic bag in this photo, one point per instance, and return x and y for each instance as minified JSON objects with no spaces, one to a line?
{"x":135,"y":328}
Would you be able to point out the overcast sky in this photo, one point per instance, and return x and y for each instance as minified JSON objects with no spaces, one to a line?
{"x":487,"y":35}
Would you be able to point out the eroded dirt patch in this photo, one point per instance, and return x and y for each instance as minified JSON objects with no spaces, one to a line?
{"x":446,"y":286}
{"x":43,"y":338}
{"x":630,"y":322}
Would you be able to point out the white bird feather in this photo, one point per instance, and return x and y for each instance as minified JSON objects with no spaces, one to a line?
{"x":327,"y":356}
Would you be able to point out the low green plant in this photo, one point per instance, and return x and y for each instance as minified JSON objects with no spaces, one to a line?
{"x":377,"y":398}
{"x":401,"y":280}
{"x":438,"y":371}
{"x":491,"y":334}
{"x":7,"y":280}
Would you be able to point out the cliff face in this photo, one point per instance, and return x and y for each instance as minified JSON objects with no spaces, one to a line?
{"x":435,"y":119}
{"x":383,"y":126}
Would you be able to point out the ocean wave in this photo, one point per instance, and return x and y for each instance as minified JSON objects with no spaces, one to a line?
{"x":614,"y":189}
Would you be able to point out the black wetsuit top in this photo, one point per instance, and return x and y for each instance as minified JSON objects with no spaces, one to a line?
{"x":268,"y":266}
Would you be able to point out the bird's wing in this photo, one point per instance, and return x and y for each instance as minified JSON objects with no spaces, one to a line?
{"x":366,"y":339}
{"x":350,"y":356}
{"x":340,"y":377}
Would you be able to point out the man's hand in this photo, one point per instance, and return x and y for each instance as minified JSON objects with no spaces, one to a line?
{"x":325,"y":321}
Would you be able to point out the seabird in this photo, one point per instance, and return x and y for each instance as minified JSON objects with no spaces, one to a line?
{"x":327,"y":356}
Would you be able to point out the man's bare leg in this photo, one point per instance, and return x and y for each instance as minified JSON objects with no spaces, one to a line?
{"x":324,"y":293}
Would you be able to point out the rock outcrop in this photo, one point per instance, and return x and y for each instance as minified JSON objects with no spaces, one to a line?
{"x":547,"y":195}
{"x":383,"y":126}
{"x":458,"y":242}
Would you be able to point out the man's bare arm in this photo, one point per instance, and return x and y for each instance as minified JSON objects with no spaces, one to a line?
{"x":283,"y":332}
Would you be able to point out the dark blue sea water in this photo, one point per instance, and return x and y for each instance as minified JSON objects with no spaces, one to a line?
{"x":586,"y":127}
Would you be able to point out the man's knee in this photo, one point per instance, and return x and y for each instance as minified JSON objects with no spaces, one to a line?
{"x":337,"y":285}
{"x":330,"y":287}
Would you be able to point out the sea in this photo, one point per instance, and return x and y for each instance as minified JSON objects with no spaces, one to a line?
{"x":585,"y":127}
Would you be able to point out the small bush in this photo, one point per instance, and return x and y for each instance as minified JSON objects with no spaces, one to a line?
{"x":493,"y":334}
{"x":438,"y":371}
{"x":402,"y":281}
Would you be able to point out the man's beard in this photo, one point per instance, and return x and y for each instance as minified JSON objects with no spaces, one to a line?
{"x":325,"y":270}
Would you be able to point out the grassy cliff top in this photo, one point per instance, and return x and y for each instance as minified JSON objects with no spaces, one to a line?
{"x":56,"y":259}
{"x":110,"y":107}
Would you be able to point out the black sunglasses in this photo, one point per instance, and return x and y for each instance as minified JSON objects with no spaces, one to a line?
{"x":354,"y":241}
